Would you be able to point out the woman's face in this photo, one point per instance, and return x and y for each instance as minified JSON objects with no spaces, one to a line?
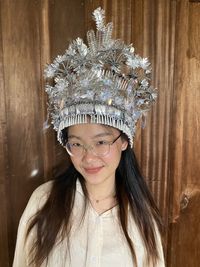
{"x":96,"y":169}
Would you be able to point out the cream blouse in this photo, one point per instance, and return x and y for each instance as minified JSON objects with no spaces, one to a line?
{"x":96,"y":241}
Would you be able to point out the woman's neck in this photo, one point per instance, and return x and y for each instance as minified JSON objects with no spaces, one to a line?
{"x":102,"y":196}
{"x":102,"y":190}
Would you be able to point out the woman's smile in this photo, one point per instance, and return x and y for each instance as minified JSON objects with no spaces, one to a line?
{"x":92,"y":170}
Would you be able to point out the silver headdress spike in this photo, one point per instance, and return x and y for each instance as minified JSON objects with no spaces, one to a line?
{"x":105,"y":80}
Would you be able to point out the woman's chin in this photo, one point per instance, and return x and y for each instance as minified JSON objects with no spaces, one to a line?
{"x":93,"y":180}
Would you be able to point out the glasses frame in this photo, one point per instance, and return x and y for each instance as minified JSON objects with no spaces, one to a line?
{"x":86,"y":147}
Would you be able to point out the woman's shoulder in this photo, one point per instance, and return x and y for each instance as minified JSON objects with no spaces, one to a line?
{"x":37,"y":199}
{"x":41,"y":193}
{"x":43,"y":189}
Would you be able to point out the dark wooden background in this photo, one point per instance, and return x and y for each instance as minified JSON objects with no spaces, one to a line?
{"x":168,"y":32}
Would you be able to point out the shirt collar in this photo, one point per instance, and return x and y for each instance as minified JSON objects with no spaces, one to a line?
{"x":79,"y":187}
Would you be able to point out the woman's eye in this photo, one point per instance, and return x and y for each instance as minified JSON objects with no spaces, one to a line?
{"x":75,"y":144}
{"x":102,"y":142}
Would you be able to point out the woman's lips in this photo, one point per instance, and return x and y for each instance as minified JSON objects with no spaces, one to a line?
{"x":93,"y":170}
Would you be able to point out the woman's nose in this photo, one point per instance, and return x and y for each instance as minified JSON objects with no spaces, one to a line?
{"x":88,"y":155}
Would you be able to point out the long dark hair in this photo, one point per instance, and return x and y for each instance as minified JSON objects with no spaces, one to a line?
{"x":131,"y":191}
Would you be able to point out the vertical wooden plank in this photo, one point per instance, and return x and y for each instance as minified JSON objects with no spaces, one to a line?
{"x":21,"y":58}
{"x":4,"y":248}
{"x":185,"y":227}
{"x":48,"y":139}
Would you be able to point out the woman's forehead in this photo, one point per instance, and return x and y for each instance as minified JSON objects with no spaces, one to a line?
{"x":91,"y":129}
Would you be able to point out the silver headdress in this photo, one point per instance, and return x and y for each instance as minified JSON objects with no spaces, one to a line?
{"x":105,"y":80}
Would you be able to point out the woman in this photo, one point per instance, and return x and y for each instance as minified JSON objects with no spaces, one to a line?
{"x":100,"y":212}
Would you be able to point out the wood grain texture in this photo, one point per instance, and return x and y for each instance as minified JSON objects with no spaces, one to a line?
{"x":4,"y":243}
{"x":185,"y":227}
{"x":21,"y":57}
{"x":48,"y":140}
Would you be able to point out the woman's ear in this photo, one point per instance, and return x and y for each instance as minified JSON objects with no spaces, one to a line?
{"x":124,"y":145}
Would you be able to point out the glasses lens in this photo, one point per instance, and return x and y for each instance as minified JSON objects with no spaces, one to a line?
{"x":101,"y":149}
{"x":74,"y":149}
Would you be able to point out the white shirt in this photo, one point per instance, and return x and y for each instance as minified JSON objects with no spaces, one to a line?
{"x":96,"y":241}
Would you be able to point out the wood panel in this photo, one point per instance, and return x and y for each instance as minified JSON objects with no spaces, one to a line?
{"x":21,"y":86}
{"x":185,"y":145}
{"x":4,"y":248}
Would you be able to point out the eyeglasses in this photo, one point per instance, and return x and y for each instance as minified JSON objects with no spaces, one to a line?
{"x":100,"y":148}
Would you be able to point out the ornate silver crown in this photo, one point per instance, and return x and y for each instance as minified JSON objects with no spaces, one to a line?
{"x":105,"y":80}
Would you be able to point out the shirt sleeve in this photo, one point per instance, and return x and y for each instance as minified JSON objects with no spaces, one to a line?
{"x":36,"y":201}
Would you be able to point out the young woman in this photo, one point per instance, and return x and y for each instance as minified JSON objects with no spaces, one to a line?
{"x":99,"y":213}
